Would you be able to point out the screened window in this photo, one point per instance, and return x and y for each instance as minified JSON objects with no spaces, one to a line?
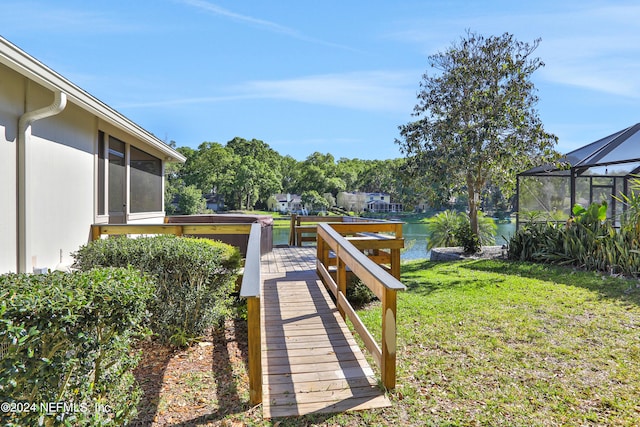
{"x":146,"y":182}
{"x":116,"y":177}
{"x":101,"y":174}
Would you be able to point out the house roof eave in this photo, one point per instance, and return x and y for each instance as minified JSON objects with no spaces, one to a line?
{"x":28,"y":66}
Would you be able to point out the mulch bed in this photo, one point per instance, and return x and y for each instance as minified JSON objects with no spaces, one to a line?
{"x":202,"y":385}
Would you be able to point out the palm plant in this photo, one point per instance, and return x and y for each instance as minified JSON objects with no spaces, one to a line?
{"x":444,"y":228}
{"x":441,"y":229}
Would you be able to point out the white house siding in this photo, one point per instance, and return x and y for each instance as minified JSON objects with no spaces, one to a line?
{"x":62,"y":186}
{"x":11,"y":90}
{"x":62,"y":173}
{"x":61,"y":165}
{"x":60,"y":170}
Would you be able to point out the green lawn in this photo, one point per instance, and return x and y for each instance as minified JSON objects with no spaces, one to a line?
{"x":500,"y":343}
{"x":495,"y":343}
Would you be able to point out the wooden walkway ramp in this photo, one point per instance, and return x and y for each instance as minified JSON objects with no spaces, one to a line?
{"x":310,"y":360}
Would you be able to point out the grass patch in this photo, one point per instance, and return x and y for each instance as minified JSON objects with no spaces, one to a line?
{"x":500,"y":343}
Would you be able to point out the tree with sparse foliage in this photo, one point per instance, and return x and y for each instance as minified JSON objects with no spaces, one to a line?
{"x":475,"y":119}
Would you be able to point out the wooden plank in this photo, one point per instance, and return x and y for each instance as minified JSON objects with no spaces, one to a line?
{"x":119,"y":229}
{"x":276,"y":332}
{"x":321,"y":396}
{"x":321,"y":351}
{"x":310,"y":360}
{"x":362,"y":330}
{"x":311,"y":386}
{"x":346,"y":373}
{"x":273,"y":346}
{"x":353,"y":404}
{"x":194,"y":229}
{"x":255,"y":353}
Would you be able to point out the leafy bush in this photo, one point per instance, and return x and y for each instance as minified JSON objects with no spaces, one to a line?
{"x":464,"y":237}
{"x":441,"y":229}
{"x":195,"y":279}
{"x":358,"y":294}
{"x":67,"y":338}
{"x":587,"y":240}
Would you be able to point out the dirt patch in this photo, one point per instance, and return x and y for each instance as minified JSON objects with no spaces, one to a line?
{"x":201,"y":385}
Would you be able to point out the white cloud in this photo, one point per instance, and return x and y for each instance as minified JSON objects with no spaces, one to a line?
{"x":371,"y":91}
{"x":366,"y":91}
{"x":260,"y":23}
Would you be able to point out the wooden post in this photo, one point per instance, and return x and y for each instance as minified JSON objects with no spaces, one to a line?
{"x":320,"y":251}
{"x":395,"y":263}
{"x":341,"y":280}
{"x":388,"y":360}
{"x":255,"y":352}
{"x":292,"y":230}
{"x":95,"y":232}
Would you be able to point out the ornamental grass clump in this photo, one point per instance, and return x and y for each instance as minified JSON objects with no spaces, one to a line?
{"x":66,"y":344}
{"x":194,"y":278}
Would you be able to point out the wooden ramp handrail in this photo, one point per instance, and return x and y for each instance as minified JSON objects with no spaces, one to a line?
{"x":381,"y":283}
{"x":251,"y":289}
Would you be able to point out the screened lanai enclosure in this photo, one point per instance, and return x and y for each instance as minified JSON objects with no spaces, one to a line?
{"x":600,"y":171}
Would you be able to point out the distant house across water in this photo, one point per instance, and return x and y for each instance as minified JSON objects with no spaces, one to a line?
{"x":287,"y":203}
{"x":356,"y":202}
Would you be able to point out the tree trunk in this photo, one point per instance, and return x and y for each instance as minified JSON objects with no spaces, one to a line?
{"x":474,"y":200}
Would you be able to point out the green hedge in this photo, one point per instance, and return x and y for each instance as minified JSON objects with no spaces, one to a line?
{"x":195,"y":279}
{"x":66,"y":340}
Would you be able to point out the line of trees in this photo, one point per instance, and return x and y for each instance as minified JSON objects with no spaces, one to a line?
{"x":246,"y":173}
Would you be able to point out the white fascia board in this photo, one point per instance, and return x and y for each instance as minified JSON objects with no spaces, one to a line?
{"x":28,"y":66}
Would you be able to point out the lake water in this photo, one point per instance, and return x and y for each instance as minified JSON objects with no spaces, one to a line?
{"x":415,"y":238}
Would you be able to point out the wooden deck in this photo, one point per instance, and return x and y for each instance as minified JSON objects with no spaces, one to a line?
{"x":310,"y":360}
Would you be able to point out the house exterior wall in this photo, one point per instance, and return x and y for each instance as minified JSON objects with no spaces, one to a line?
{"x":11,"y":90}
{"x":61,"y":174}
{"x":61,"y":169}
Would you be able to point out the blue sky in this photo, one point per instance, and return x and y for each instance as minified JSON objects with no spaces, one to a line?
{"x":329,"y":76}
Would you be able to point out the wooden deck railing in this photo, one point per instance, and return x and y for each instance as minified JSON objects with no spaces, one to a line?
{"x":381,"y":283}
{"x":303,"y":227}
{"x":98,"y":230}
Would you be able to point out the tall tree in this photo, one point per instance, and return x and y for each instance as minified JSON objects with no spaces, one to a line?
{"x":257,"y":174}
{"x":476,"y":122}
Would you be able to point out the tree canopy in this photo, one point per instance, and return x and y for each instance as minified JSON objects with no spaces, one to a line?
{"x":247,"y":173}
{"x":476,"y":123}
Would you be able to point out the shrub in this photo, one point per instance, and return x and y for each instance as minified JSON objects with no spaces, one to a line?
{"x":67,"y":338}
{"x":587,"y":240}
{"x":466,"y":238}
{"x":358,"y":294}
{"x":441,"y":229}
{"x":195,"y":279}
